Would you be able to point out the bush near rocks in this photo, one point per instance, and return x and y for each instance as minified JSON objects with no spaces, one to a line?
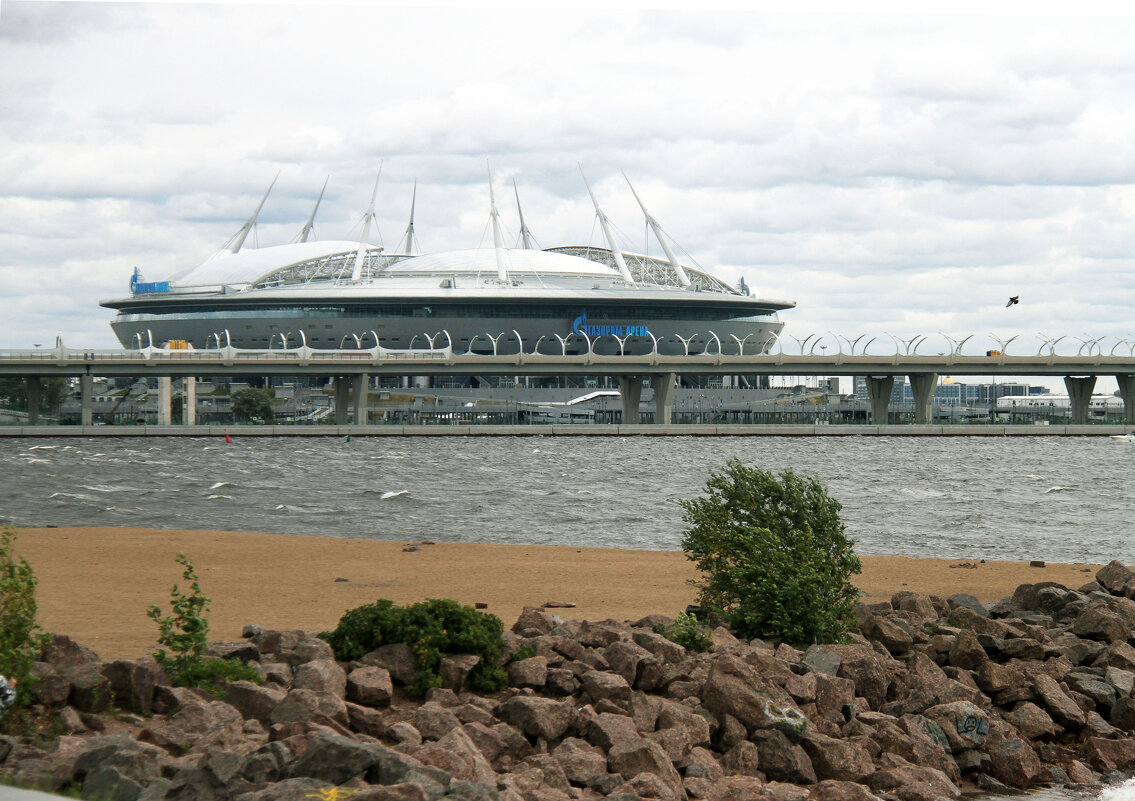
{"x":610,"y":709}
{"x":21,"y":638}
{"x":431,"y":628}
{"x":773,"y":553}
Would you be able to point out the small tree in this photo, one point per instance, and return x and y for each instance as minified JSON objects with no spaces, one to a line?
{"x":21,"y":638}
{"x":251,"y":403}
{"x":185,"y":633}
{"x":773,"y":553}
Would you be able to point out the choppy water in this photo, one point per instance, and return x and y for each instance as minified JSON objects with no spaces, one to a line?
{"x":1057,"y":499}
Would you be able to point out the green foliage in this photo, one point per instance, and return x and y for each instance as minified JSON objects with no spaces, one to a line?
{"x":432,"y":628}
{"x":523,"y":652}
{"x":773,"y":553}
{"x":52,"y":393}
{"x":687,"y":632}
{"x":185,"y":633}
{"x":21,"y":638}
{"x":253,"y":404}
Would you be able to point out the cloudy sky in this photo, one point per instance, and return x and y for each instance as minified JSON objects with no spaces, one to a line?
{"x":891,"y":174}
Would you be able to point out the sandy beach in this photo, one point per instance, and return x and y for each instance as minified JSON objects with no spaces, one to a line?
{"x":96,"y":583}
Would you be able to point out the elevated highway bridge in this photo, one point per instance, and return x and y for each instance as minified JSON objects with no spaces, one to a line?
{"x":352,"y":369}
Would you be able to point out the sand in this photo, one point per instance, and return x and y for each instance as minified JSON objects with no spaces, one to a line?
{"x":95,"y":584}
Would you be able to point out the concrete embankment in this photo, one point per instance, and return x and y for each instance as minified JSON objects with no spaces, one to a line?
{"x":579,"y":430}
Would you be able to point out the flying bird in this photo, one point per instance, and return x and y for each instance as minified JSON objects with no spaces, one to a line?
{"x":1012,"y":300}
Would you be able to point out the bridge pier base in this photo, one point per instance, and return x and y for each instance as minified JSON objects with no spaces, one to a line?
{"x":33,"y":400}
{"x":630,"y":391}
{"x":1127,"y":392}
{"x":165,"y":393}
{"x":85,"y":384}
{"x":879,"y":393}
{"x":189,"y":401}
{"x":663,"y":386}
{"x":362,"y":399}
{"x":922,"y":385}
{"x":1080,"y":394}
{"x":342,"y":389}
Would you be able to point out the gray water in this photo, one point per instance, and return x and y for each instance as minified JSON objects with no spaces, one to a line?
{"x":1057,"y":499}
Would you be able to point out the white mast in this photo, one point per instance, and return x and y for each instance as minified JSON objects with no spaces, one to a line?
{"x":239,"y":236}
{"x":683,"y":279}
{"x":498,"y":238}
{"x":525,"y":234}
{"x":408,"y":237}
{"x":307,"y":226}
{"x":360,"y":256}
{"x":605,"y":224}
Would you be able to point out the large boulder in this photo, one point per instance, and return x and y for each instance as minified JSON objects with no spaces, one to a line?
{"x":333,"y":759}
{"x":132,"y":683}
{"x":458,"y":755}
{"x":840,"y":759}
{"x":734,"y":688}
{"x":537,"y":717}
{"x":783,"y":760}
{"x":369,"y":685}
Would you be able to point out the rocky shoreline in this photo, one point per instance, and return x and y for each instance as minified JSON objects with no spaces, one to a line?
{"x":930,"y":695}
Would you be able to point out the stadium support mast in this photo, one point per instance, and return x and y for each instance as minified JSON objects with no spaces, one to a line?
{"x":408,"y":237}
{"x":305,"y":232}
{"x":239,"y":237}
{"x":498,"y":237}
{"x":683,"y":279}
{"x":368,"y":218}
{"x":525,"y":234}
{"x":605,"y":224}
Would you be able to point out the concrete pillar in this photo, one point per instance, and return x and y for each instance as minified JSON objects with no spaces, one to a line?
{"x":165,"y":394}
{"x":33,"y":400}
{"x":342,"y":387}
{"x":85,"y":384}
{"x":663,"y":386}
{"x":879,"y":392}
{"x":922,"y":385}
{"x":362,"y":399}
{"x":1080,"y":393}
{"x":1127,"y":392}
{"x":189,"y":400}
{"x":630,"y":388}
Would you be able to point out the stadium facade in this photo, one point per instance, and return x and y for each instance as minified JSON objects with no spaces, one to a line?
{"x":337,"y":294}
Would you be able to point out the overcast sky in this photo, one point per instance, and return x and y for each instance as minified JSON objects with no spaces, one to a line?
{"x":891,"y":174}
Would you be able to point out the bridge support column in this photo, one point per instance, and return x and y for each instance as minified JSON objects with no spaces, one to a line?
{"x":165,"y":393}
{"x":85,"y":384}
{"x":630,"y":389}
{"x":189,"y":400}
{"x":33,"y":400}
{"x":663,"y":386}
{"x":342,"y":399}
{"x":1080,"y":394}
{"x":1127,"y":392}
{"x":922,"y":385}
{"x":879,"y":393}
{"x":362,"y":399}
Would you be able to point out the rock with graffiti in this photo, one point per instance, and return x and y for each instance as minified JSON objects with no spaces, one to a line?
{"x":930,"y":697}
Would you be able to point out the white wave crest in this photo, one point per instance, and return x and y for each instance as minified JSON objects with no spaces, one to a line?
{"x":1122,"y":792}
{"x":215,"y":497}
{"x":219,"y":484}
{"x":1059,"y":489}
{"x":392,"y":494}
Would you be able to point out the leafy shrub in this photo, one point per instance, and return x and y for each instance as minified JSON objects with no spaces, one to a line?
{"x":525,"y":651}
{"x":186,"y":634}
{"x":432,"y":628}
{"x":773,"y":553}
{"x":687,"y":632}
{"x":21,"y":638}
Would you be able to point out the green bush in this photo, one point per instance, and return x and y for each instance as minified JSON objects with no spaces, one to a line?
{"x":186,"y":634}
{"x":21,"y":638}
{"x":432,"y":628}
{"x":774,"y":558}
{"x":687,"y":632}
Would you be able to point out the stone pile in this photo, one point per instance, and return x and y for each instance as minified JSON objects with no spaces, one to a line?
{"x":929,"y":696}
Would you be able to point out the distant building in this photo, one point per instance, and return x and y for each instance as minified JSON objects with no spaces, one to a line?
{"x":951,"y":392}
